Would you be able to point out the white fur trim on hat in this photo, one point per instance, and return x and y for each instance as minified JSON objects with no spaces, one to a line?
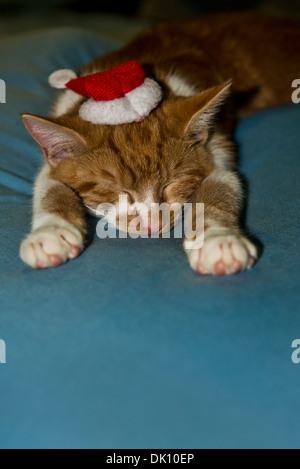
{"x":59,"y":78}
{"x":134,"y":107}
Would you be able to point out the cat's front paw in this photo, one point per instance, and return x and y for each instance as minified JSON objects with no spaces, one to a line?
{"x":51,"y":246}
{"x":222,"y":254}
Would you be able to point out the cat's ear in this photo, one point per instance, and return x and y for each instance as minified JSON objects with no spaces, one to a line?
{"x":58,"y":142}
{"x":199,"y":111}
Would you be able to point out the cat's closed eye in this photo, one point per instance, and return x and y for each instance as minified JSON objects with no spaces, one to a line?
{"x":180,"y":190}
{"x":130,"y":197}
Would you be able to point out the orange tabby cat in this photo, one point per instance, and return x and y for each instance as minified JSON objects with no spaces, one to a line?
{"x":182,"y":152}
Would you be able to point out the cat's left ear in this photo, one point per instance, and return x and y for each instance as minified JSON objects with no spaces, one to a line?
{"x":199,"y":111}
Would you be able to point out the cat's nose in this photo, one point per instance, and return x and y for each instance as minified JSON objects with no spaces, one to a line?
{"x":154,"y":228}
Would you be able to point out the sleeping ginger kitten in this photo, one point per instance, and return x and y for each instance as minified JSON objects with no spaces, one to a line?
{"x":182,"y":152}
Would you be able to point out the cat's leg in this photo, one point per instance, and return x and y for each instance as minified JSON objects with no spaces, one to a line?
{"x":225,"y":249}
{"x":58,"y":226}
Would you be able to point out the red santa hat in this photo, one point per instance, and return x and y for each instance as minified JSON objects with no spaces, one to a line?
{"x":117,"y":96}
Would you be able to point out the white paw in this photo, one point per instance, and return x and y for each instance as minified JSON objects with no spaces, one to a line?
{"x":51,"y":246}
{"x":223,"y":254}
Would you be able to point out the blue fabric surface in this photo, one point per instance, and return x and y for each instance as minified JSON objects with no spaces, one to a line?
{"x":126,"y":347}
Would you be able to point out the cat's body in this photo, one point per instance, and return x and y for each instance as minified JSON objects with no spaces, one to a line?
{"x":180,"y":152}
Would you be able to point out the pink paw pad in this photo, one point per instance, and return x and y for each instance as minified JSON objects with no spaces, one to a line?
{"x":55,"y":260}
{"x":75,"y":251}
{"x":220,"y":268}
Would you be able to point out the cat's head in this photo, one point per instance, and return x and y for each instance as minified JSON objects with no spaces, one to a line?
{"x":161,"y":160}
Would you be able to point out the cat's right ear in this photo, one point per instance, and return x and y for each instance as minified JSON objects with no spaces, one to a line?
{"x":57,"y":142}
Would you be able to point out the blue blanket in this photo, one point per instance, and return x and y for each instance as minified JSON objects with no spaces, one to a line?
{"x":126,"y":346}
